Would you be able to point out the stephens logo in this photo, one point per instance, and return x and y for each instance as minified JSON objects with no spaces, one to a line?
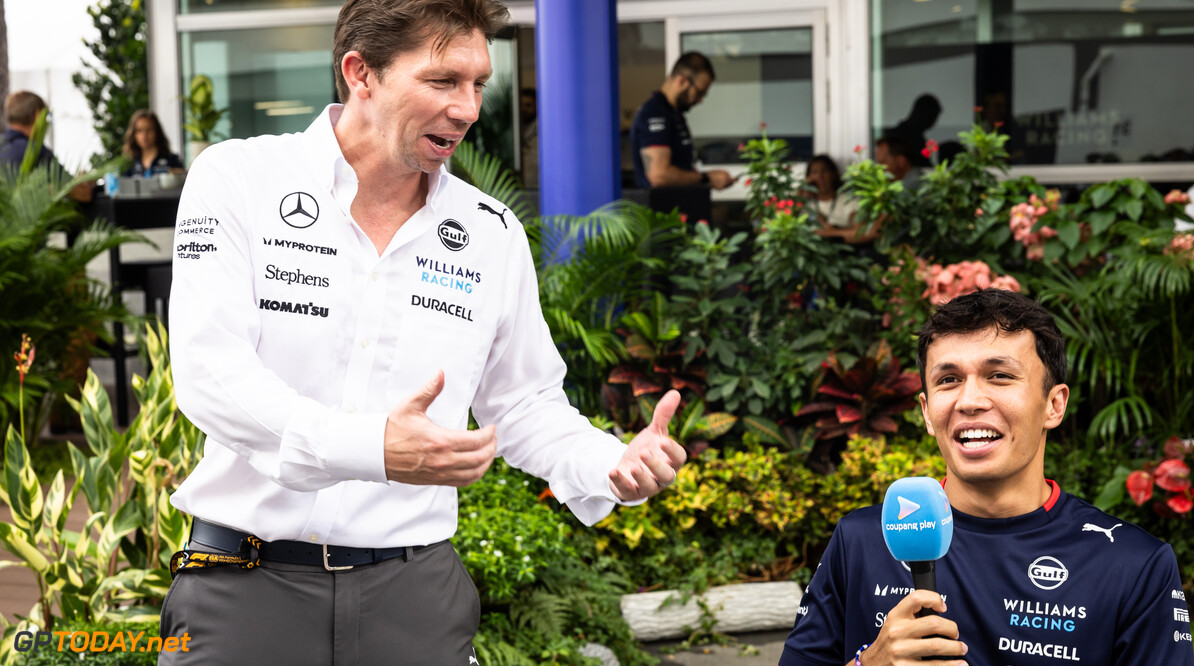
{"x":299,"y":210}
{"x":453,"y":235}
{"x":1047,"y":573}
{"x":296,"y":276}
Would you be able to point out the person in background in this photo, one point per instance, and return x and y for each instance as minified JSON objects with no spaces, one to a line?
{"x":659,"y":137}
{"x":832,"y":208}
{"x":530,"y":138}
{"x":147,"y":146}
{"x":21,"y":109}
{"x":899,"y":156}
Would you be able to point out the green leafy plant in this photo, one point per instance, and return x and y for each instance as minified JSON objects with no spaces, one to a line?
{"x":202,"y":114}
{"x":116,"y":567}
{"x":116,"y":81}
{"x":44,"y":289}
{"x":769,"y":176}
{"x":864,"y":400}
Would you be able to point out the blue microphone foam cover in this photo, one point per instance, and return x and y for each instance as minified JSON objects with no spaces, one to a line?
{"x":918,"y":524}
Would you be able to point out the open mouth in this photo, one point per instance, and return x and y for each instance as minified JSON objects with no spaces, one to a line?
{"x":441,"y":142}
{"x":973,"y":438}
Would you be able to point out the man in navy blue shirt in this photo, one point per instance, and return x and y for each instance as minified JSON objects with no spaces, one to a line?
{"x":659,"y":138}
{"x":20,"y":110}
{"x":1034,"y":575}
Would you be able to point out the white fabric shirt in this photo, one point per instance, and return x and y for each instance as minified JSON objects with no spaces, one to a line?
{"x":292,"y":340}
{"x":838,"y":210}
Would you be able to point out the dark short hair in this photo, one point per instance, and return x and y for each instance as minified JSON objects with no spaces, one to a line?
{"x":1005,"y":311}
{"x":835,"y":175}
{"x":691,"y":64}
{"x":130,"y":135}
{"x":382,"y":29}
{"x":898,"y":145}
{"x":22,"y":107}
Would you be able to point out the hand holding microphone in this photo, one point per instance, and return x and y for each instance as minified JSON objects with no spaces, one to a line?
{"x":918,"y":528}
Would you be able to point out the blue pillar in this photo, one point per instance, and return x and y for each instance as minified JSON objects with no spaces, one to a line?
{"x":576,"y":57}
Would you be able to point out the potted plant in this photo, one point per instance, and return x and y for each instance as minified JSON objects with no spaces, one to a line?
{"x":202,"y":115}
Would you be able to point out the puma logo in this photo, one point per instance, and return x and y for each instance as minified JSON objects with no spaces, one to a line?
{"x":501,"y":215}
{"x":1105,"y":530}
{"x":472,"y":659}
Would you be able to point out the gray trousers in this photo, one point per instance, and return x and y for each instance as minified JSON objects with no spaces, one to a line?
{"x":421,"y":611}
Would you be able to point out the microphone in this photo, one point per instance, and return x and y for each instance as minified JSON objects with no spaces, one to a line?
{"x":918,"y":526}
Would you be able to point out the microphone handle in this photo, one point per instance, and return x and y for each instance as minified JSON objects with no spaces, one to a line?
{"x":924,"y":577}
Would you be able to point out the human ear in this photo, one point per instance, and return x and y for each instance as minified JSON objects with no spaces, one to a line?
{"x":1059,"y":397}
{"x":356,"y":74}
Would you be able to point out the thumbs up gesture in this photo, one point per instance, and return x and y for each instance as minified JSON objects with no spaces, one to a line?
{"x":651,"y":461}
{"x":417,"y":451}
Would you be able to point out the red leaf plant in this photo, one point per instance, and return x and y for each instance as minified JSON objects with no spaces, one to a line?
{"x":1171,"y":475}
{"x":864,"y":399}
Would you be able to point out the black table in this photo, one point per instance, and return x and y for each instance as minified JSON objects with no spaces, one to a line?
{"x":157,"y":211}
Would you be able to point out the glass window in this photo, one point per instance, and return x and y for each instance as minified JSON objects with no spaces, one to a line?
{"x":272,"y":80}
{"x":762,"y":76}
{"x":1069,"y":81}
{"x":641,"y":69}
{"x":199,"y":6}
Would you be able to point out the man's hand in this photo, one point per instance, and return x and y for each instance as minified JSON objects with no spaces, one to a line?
{"x":719,"y":179}
{"x":420,"y":452}
{"x":651,"y":461}
{"x":904,"y":637}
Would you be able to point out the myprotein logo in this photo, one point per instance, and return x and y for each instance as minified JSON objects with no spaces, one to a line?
{"x":1047,"y":573}
{"x":299,"y":210}
{"x":452,"y":235}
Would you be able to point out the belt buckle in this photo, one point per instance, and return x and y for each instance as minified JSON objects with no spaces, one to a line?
{"x":328,"y":567}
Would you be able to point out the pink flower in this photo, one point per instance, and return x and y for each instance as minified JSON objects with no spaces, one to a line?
{"x":978,"y":212}
{"x":683,"y":218}
{"x":1177,"y":197}
{"x":859,"y":149}
{"x":929,"y":149}
{"x":747,"y":182}
{"x":704,"y":222}
{"x":762,"y":125}
{"x":741,"y":147}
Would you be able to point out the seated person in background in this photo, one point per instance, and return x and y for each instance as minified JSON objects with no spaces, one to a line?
{"x":148,"y":147}
{"x":833,"y":209}
{"x":899,"y":156}
{"x":21,"y":109}
{"x":1034,"y":576}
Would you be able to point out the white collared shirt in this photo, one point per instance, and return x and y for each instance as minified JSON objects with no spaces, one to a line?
{"x":292,"y":340}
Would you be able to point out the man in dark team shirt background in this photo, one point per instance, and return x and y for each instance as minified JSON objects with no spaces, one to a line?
{"x":1033,"y":575}
{"x":659,"y":137}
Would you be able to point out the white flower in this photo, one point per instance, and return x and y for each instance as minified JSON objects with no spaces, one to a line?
{"x":497,"y":553}
{"x":501,"y":482}
{"x":472,"y":514}
{"x":526,"y":558}
{"x":518,"y":538}
{"x":484,"y":542}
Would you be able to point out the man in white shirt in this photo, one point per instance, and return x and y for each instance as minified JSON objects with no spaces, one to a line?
{"x":340,"y":302}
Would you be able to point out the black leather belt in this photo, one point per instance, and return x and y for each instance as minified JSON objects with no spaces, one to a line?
{"x":331,"y":558}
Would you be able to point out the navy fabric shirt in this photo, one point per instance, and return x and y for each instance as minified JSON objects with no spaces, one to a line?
{"x":658,"y":123}
{"x":1063,"y":584}
{"x":13,"y":146}
{"x":162,"y":164}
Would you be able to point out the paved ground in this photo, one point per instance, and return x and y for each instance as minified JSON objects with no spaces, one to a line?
{"x":767,"y":648}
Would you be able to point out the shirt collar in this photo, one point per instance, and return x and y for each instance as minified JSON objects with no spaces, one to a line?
{"x":335,"y":175}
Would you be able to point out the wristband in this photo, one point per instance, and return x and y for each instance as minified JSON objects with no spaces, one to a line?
{"x":858,"y":655}
{"x":704,"y":178}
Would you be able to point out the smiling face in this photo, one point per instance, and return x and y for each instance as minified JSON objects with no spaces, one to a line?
{"x":426,"y":99}
{"x":985,"y":403}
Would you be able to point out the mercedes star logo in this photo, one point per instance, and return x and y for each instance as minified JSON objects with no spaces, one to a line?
{"x":299,"y":210}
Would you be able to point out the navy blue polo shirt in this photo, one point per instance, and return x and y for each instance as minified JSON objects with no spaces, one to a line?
{"x":13,"y":146}
{"x":658,"y":123}
{"x":1066,"y":583}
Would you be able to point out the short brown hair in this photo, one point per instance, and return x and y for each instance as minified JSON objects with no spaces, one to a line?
{"x":22,"y":107}
{"x":692,"y":64}
{"x":381,"y":29}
